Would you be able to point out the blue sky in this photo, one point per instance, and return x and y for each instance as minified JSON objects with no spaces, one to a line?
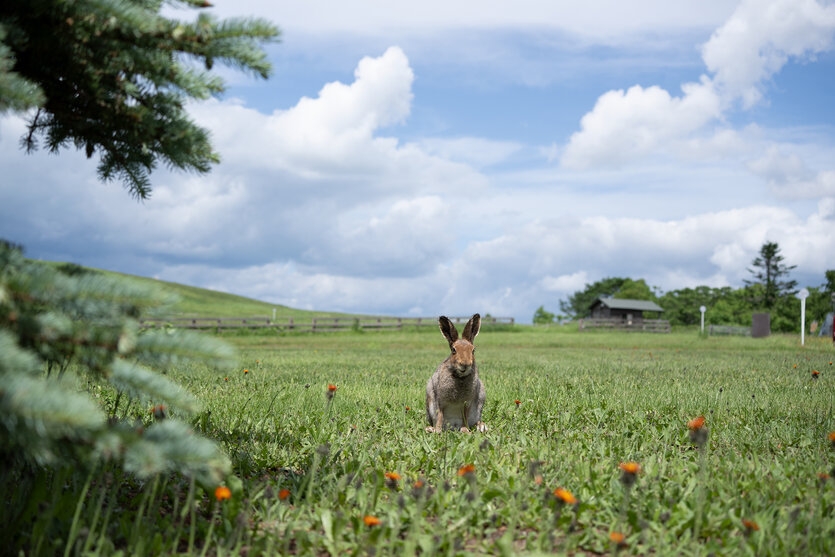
{"x":461,"y":157}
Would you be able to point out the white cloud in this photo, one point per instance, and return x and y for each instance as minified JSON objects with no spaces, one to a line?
{"x":627,"y":124}
{"x":760,"y":37}
{"x":318,"y":184}
{"x":749,"y":48}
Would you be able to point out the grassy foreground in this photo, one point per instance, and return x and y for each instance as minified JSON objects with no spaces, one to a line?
{"x":357,"y":474}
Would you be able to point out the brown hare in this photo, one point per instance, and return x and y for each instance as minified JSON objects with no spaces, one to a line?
{"x":455,"y":395}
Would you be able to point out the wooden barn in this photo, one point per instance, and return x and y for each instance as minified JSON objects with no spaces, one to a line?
{"x":619,"y":308}
{"x":620,"y":313}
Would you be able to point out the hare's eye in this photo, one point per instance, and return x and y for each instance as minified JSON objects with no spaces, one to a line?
{"x":453,"y":350}
{"x":473,"y":349}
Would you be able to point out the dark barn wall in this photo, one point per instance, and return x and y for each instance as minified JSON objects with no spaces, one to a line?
{"x":599,"y":311}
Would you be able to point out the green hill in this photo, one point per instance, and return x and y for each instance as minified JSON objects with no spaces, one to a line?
{"x":202,"y":302}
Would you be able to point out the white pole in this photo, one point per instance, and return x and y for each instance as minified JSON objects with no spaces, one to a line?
{"x":703,"y":310}
{"x":803,"y":294}
{"x":273,"y":315}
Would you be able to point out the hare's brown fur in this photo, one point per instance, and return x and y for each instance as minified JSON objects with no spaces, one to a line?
{"x":454,"y":394}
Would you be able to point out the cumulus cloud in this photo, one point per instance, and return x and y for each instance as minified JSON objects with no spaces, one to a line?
{"x":627,"y":124}
{"x":318,"y":183}
{"x":749,"y":48}
{"x":758,"y":40}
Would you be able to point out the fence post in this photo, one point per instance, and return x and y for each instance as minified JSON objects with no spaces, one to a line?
{"x":313,"y":326}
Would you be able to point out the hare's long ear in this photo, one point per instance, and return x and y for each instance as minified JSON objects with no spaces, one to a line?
{"x":448,"y":329}
{"x":472,"y":328}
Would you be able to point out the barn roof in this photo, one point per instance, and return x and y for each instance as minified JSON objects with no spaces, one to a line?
{"x":622,"y":303}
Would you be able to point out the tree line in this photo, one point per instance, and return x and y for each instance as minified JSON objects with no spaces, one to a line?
{"x":770,"y":289}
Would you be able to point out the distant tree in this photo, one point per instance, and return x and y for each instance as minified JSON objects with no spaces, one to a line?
{"x":682,"y":306}
{"x":635,"y":290}
{"x":112,"y":77}
{"x":542,"y":317}
{"x":819,"y":302}
{"x":771,"y":273}
{"x":577,"y":305}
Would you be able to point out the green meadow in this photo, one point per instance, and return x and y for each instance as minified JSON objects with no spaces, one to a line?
{"x":357,"y":474}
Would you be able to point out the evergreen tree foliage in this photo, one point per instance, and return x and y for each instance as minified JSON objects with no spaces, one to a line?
{"x":60,"y":333}
{"x":771,"y":274}
{"x":112,"y":77}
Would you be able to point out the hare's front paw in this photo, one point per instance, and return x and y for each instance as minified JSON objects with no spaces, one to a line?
{"x":481,"y":427}
{"x":430,"y":429}
{"x":464,"y":429}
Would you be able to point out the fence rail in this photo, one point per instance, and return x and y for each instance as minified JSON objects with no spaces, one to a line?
{"x":316,"y":324}
{"x":637,"y":325}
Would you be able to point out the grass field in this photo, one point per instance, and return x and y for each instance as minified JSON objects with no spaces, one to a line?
{"x":313,"y":474}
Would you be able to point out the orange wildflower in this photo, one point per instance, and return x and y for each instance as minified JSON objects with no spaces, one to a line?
{"x":795,"y":365}
{"x":222,"y":492}
{"x":617,"y":538}
{"x":158,"y":411}
{"x":394,"y":476}
{"x":226,"y":378}
{"x":696,"y":423}
{"x":629,"y":474}
{"x":466,"y":470}
{"x":832,"y":437}
{"x":371,"y":520}
{"x":518,"y":402}
{"x":565,"y":496}
{"x":284,"y":494}
{"x":418,"y":484}
{"x":246,"y":371}
{"x":750,"y":525}
{"x":823,"y":476}
{"x":329,"y":394}
{"x":630,"y":467}
{"x":815,"y":374}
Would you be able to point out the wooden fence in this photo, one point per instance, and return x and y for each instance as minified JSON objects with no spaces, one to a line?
{"x":728,"y":330}
{"x":316,"y":324}
{"x":637,"y":325}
